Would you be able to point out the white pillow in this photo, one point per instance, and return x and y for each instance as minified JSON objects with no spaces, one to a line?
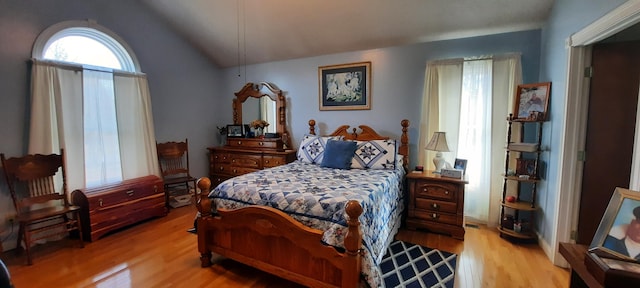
{"x":375,"y":154}
{"x":311,"y":149}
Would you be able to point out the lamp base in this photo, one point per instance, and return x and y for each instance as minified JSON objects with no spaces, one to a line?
{"x":438,"y":161}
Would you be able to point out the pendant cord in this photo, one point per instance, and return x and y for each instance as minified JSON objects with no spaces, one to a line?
{"x":238,"y":33}
{"x":244,"y":35}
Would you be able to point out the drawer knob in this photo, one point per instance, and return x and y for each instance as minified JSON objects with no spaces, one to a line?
{"x":261,"y":144}
{"x":425,"y":190}
{"x":435,"y":206}
{"x":239,"y":142}
{"x":434,"y":216}
{"x":221,"y":168}
{"x":100,"y":202}
{"x":446,"y":192}
{"x":235,"y":170}
{"x":130,"y":193}
{"x":266,"y":161}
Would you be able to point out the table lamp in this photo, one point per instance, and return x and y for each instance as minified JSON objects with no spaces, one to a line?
{"x":438,"y":143}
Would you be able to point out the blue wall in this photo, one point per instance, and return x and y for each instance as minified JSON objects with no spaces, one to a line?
{"x":567,"y":17}
{"x":397,"y":81}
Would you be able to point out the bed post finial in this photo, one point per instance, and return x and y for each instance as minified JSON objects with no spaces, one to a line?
{"x":404,"y":146}
{"x":203,"y":203}
{"x":312,"y":127}
{"x":354,"y":238}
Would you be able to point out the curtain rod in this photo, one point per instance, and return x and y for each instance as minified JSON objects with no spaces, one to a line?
{"x":80,"y":67}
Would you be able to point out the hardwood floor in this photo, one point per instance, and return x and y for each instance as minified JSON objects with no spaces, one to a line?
{"x":160,"y":253}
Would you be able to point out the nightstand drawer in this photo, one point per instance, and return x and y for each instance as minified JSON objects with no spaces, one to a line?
{"x":445,"y":218}
{"x":436,"y":206}
{"x":445,"y":191}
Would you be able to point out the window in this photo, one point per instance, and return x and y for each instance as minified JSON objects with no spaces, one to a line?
{"x":92,"y":67}
{"x":469,"y":99}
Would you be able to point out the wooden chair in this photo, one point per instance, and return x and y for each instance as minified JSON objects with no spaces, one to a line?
{"x":42,"y":209}
{"x":173,"y":158}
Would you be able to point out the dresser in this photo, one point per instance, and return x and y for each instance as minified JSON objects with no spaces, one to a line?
{"x":436,"y":203}
{"x":114,"y":206}
{"x":244,"y":155}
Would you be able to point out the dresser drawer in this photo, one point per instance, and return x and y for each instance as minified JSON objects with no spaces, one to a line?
{"x":255,"y":143}
{"x":445,"y":218}
{"x":237,"y":171}
{"x":219,"y":168}
{"x":436,"y":206}
{"x":248,"y":161}
{"x":444,"y":191}
{"x":220,"y":157}
{"x":273,"y":161}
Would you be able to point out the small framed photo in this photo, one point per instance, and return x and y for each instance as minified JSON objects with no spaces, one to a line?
{"x":236,"y":130}
{"x":526,"y":167}
{"x":532,"y":101}
{"x":618,"y":227}
{"x":345,"y":86}
{"x":460,"y":164}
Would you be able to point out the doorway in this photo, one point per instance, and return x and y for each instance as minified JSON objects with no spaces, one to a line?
{"x":610,"y":130}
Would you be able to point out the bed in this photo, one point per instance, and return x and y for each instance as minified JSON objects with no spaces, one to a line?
{"x":275,"y":233}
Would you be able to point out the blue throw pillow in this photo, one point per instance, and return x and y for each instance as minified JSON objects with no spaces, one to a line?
{"x":338,"y":154}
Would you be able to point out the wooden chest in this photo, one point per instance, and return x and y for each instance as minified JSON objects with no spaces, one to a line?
{"x":113,"y":206}
{"x":230,"y":161}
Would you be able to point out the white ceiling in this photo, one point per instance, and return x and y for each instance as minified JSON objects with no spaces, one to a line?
{"x":276,"y":30}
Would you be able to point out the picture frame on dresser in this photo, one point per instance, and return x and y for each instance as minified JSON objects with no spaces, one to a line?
{"x":236,"y":130}
{"x":622,"y":214}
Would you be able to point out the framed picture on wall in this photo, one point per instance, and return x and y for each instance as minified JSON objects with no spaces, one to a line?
{"x":345,"y":86}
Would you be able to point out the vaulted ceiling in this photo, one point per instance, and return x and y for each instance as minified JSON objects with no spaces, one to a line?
{"x":239,"y":32}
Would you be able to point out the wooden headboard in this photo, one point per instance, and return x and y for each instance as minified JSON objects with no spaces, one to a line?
{"x":367,"y":133}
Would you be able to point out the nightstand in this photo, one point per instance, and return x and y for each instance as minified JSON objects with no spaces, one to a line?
{"x":436,"y":203}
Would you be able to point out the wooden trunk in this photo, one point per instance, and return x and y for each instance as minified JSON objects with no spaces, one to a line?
{"x":113,"y":206}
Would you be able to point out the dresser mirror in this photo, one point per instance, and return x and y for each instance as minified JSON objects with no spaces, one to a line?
{"x":263,"y":108}
{"x":262,"y":101}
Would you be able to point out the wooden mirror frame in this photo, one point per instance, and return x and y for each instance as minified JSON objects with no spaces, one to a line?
{"x":253,"y":90}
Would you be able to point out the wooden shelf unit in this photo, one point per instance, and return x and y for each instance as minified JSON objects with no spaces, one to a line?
{"x":523,"y":209}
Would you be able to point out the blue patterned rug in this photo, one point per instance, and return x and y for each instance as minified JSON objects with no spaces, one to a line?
{"x":411,"y":265}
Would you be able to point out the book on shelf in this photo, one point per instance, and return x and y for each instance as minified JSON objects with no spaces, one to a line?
{"x":524,"y":147}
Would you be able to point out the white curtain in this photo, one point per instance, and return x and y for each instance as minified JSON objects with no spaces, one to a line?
{"x":58,"y":110}
{"x":474,"y":136}
{"x":135,"y":126}
{"x":54,"y":120}
{"x":442,"y":85}
{"x":101,"y":145}
{"x":472,"y":110}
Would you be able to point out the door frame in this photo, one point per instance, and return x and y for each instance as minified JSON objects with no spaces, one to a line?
{"x":570,"y":167}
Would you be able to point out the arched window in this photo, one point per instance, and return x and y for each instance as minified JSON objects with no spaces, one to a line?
{"x":85,"y":42}
{"x":98,"y":85}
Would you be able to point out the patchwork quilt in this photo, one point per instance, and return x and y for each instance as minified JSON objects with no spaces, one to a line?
{"x":316,"y":196}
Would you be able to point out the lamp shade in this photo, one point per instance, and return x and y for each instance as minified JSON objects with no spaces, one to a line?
{"x":438,"y":142}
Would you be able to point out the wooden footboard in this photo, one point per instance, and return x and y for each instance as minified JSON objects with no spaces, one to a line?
{"x":270,"y":240}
